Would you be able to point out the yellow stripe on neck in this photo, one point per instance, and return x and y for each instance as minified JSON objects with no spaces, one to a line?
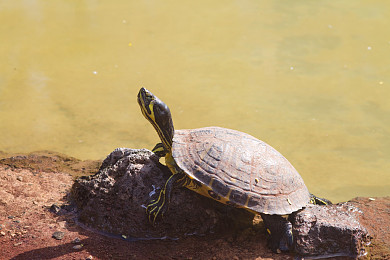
{"x":152,"y":119}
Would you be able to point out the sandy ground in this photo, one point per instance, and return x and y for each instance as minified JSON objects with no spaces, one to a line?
{"x":31,"y":184}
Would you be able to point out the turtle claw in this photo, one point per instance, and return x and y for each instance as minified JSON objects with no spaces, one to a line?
{"x":155,"y":209}
{"x":151,"y":212}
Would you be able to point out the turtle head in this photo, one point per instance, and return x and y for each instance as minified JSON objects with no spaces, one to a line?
{"x":158,"y":114}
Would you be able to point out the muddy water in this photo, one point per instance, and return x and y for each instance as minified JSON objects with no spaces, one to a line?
{"x":311,"y":79}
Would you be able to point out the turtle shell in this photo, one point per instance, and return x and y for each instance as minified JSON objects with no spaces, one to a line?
{"x":241,"y":169}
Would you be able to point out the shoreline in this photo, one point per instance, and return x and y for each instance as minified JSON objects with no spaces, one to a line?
{"x":32,"y":183}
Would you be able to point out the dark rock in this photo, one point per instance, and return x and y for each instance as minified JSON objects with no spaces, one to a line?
{"x":58,"y":235}
{"x":55,"y":208}
{"x":332,"y":230}
{"x":76,"y":241}
{"x":114,"y":201}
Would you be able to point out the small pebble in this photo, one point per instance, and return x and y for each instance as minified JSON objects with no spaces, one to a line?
{"x":18,"y":244}
{"x":11,"y":217}
{"x":2,"y":233}
{"x":58,"y":235}
{"x":76,"y":241}
{"x":55,"y":208}
{"x":19,"y":178}
{"x":78,"y":247}
{"x":89,"y":257}
{"x":371,"y":199}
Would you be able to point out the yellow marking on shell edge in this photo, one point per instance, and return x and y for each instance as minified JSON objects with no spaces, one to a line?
{"x":257,"y":180}
{"x":247,"y":201}
{"x":228,"y":195}
{"x":289,"y":201}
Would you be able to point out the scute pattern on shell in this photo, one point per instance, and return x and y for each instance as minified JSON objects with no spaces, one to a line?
{"x":236,"y":165}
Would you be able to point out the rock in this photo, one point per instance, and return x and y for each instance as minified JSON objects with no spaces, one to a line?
{"x":76,"y":241}
{"x":55,"y":208}
{"x":78,"y":247}
{"x":114,"y":201}
{"x":332,"y":230}
{"x":58,"y":235}
{"x":353,"y":228}
{"x":89,"y":257}
{"x":2,"y":233}
{"x":375,"y":217}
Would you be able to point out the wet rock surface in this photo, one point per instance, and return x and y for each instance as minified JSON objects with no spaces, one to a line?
{"x":114,"y":201}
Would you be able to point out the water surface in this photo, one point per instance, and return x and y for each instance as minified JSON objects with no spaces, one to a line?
{"x":311,"y":78}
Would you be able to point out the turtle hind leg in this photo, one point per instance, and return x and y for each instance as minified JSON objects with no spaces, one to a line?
{"x":157,"y":207}
{"x":319,"y":201}
{"x":280,"y":231}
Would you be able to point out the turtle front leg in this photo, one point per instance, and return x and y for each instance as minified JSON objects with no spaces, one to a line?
{"x":159,"y":150}
{"x":280,"y":231}
{"x":160,"y":205}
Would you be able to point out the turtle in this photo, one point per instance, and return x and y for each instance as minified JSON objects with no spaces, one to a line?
{"x":230,"y":167}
